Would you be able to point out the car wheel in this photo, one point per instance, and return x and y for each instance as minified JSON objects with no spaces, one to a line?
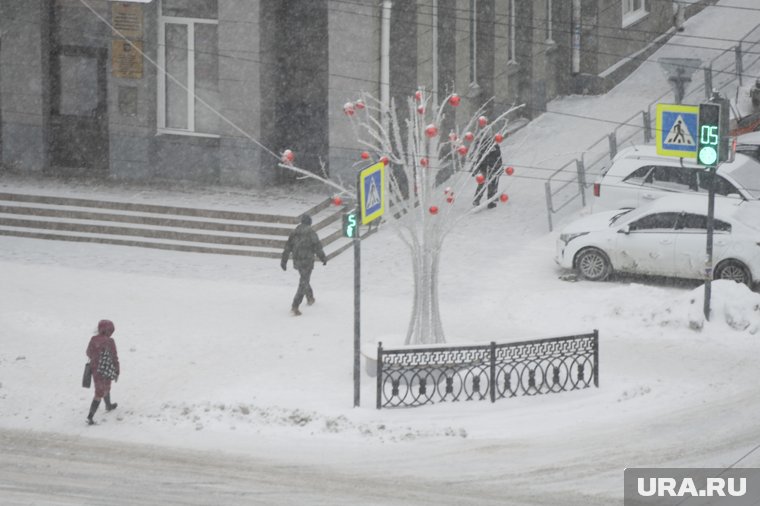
{"x":593,"y":264}
{"x":735,"y":271}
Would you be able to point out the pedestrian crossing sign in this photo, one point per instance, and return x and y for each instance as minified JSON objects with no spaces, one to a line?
{"x":371,"y":189}
{"x":676,"y":127}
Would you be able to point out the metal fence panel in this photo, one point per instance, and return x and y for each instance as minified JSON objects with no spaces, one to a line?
{"x":409,"y":377}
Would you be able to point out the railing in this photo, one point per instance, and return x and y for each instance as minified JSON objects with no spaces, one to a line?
{"x":721,"y":72}
{"x":412,"y":376}
{"x":552,"y":194}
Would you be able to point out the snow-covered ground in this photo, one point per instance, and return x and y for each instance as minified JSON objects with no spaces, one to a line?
{"x":212,"y":360}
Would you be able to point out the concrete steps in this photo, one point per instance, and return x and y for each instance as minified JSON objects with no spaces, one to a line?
{"x":162,"y":227}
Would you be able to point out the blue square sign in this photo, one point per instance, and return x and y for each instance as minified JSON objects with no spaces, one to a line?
{"x":677,"y":127}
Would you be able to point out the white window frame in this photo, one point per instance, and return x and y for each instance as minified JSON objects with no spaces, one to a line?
{"x":633,"y":11}
{"x":162,"y":77}
{"x":512,"y":52}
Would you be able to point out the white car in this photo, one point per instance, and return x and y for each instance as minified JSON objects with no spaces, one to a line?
{"x":638,"y":175}
{"x":667,"y":238}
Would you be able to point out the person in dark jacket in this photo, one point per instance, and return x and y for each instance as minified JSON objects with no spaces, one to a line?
{"x":489,"y":167}
{"x":304,"y":244}
{"x":104,"y":361}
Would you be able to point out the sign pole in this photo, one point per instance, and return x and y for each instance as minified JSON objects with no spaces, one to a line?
{"x":357,"y":318}
{"x":710,"y":228}
{"x":711,"y":152}
{"x":370,"y":196}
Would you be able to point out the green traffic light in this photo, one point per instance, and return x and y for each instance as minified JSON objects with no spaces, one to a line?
{"x":709,"y":138}
{"x":350,"y":224}
{"x":708,"y":155}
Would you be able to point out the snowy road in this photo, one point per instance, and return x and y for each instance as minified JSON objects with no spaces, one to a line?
{"x":45,"y":469}
{"x":53,"y":469}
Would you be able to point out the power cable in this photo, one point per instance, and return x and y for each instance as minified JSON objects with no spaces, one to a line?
{"x":245,"y":135}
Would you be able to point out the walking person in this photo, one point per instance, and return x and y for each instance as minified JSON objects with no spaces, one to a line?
{"x":489,"y":167}
{"x":105,"y":366}
{"x":304,"y":244}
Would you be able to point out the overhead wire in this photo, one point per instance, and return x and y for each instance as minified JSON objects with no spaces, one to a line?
{"x":246,"y":135}
{"x":535,"y":168}
{"x":533,"y":42}
{"x":496,"y":37}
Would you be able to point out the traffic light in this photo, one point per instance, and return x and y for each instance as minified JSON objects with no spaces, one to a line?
{"x":708,"y":140}
{"x":713,"y":142}
{"x":350,"y":224}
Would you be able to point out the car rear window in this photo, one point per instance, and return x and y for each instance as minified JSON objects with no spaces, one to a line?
{"x":638,"y":175}
{"x":680,"y":179}
{"x":657,"y":221}
{"x":689,"y":221}
{"x":722,"y":186}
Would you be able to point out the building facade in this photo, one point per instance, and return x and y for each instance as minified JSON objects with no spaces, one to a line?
{"x":212,"y":91}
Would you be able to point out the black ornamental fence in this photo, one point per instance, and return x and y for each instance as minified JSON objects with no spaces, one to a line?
{"x":413,"y":376}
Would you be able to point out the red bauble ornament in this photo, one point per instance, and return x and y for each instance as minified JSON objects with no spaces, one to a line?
{"x":462,"y":150}
{"x":453,"y":137}
{"x":503,"y":197}
{"x":348,"y":109}
{"x":431,"y":130}
{"x":418,"y":95}
{"x":288,"y":156}
{"x":337,"y":200}
{"x":482,"y":121}
{"x":424,"y":161}
{"x":385,"y":160}
{"x":433,"y":209}
{"x":454,"y":100}
{"x":469,"y":136}
{"x":509,"y":170}
{"x":365,"y":155}
{"x":450,"y":199}
{"x":420,"y":109}
{"x":498,"y":138}
{"x":359,"y":104}
{"x":480,"y":179}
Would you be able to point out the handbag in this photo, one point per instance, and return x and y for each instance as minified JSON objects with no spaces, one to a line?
{"x":87,"y":376}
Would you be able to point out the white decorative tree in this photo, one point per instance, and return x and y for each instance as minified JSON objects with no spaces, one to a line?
{"x":431,"y":184}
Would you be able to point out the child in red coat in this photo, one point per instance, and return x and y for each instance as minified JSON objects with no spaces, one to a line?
{"x":104,"y":361}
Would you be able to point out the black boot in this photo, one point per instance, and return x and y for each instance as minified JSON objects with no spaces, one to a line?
{"x":109,"y":406}
{"x":93,"y":409}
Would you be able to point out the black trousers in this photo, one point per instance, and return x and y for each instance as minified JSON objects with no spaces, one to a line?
{"x":304,"y":286}
{"x":493,"y":188}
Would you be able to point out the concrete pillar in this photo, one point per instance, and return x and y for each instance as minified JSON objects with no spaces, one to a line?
{"x":24,"y":84}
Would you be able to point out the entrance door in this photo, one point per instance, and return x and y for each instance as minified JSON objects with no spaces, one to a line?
{"x":78,"y":135}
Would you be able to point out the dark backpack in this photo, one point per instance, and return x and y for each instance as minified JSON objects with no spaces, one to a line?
{"x":106,"y":366}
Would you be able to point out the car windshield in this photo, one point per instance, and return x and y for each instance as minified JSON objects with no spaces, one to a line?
{"x":748,"y":177}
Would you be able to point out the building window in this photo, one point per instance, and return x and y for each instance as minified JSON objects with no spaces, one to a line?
{"x":633,"y":11}
{"x":512,"y":31}
{"x":188,"y":91}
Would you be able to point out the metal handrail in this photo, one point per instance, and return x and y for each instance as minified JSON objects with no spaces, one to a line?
{"x":648,"y":125}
